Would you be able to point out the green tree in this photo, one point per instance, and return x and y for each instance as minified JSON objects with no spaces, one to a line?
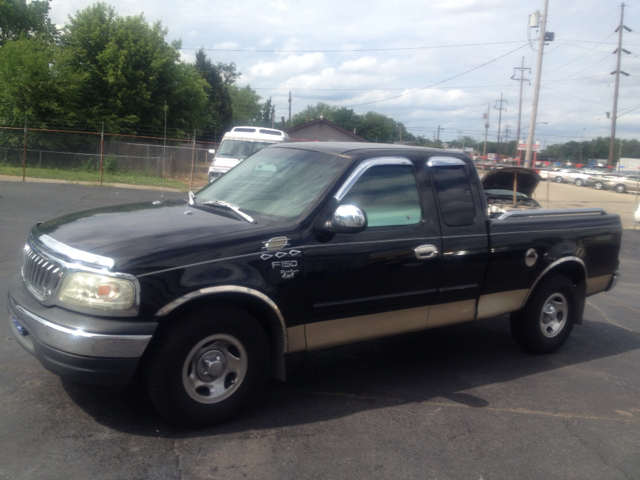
{"x":219,"y":111}
{"x":268,"y":112}
{"x":19,"y":18}
{"x":246,"y":105}
{"x":37,"y":79}
{"x":228,"y":73}
{"x":314,"y":113}
{"x":133,"y":72}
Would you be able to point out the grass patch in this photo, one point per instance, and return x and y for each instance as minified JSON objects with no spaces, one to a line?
{"x":94,"y":177}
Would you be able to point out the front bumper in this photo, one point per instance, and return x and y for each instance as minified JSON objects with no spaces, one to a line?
{"x":92,"y":350}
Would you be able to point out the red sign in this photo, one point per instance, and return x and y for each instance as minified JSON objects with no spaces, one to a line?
{"x":523,"y":146}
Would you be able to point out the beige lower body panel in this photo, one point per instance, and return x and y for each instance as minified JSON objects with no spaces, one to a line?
{"x":451,"y":313}
{"x":296,"y":339}
{"x":598,"y":284}
{"x":365,"y":327}
{"x":496,"y":304}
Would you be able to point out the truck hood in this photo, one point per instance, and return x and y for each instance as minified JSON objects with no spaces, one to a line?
{"x":503,"y":178}
{"x":127,"y":231}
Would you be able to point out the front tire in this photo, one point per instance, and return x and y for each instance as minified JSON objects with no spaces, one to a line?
{"x":598,"y":185}
{"x":579,"y":182}
{"x":558,"y":179}
{"x":205,"y":367}
{"x":546,"y":321}
{"x":620,"y":188}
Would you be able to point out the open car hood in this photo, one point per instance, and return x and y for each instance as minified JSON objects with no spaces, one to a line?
{"x":503,"y":178}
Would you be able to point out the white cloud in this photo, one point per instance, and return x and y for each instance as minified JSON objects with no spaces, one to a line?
{"x":315,"y":56}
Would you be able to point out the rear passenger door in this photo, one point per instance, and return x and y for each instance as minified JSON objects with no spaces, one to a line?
{"x":465,"y":242}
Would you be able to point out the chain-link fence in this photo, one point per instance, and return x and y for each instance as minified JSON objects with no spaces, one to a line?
{"x":32,"y":149}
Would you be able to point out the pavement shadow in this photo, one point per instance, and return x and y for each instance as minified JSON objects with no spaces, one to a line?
{"x":337,"y":382}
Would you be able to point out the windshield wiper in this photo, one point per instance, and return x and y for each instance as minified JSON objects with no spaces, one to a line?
{"x":228,"y":206}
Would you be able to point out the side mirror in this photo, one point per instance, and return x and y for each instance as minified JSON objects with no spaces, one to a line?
{"x":344,"y":219}
{"x":348,"y":219}
{"x":212,"y":151}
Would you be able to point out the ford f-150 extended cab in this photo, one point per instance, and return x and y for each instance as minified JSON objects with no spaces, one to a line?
{"x":301,"y":246}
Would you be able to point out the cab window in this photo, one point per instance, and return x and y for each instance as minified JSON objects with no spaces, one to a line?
{"x":388,"y":194}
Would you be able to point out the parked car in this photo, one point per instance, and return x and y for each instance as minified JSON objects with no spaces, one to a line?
{"x":558,"y":175}
{"x":622,"y":184}
{"x":600,"y":181}
{"x":510,"y":189}
{"x":579,"y":178}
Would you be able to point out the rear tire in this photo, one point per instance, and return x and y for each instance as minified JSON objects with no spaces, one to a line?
{"x":579,"y":182}
{"x":598,"y":185}
{"x":621,"y":188}
{"x":546,"y":321}
{"x":204,"y":368}
{"x":558,"y":179}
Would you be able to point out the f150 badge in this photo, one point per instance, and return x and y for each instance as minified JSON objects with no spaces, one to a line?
{"x":287,"y":269}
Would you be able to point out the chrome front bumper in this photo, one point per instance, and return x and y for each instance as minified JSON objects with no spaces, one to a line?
{"x":88,"y":349}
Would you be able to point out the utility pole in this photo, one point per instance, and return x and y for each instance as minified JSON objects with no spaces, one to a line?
{"x":438,"y":136}
{"x":617,"y":72}
{"x":506,"y":134}
{"x":521,"y":80}
{"x":486,"y":128}
{"x":536,"y":89}
{"x":289,"y":125}
{"x":499,"y":118}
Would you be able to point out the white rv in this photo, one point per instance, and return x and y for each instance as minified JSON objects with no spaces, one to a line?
{"x":238,"y":144}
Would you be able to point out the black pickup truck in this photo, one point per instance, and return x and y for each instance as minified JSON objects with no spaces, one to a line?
{"x":301,"y":246}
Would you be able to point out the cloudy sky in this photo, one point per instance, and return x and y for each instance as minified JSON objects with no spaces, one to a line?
{"x":424,"y":63}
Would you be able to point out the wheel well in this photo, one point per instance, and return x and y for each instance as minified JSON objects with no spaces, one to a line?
{"x":575,"y":272}
{"x":263,"y":313}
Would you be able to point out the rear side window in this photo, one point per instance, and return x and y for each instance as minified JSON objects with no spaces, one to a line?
{"x":454,"y":194}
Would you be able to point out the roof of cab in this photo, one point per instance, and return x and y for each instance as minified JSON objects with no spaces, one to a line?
{"x":340,"y":148}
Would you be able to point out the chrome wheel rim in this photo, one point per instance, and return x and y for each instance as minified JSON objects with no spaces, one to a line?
{"x":554,"y":315}
{"x":214,"y":368}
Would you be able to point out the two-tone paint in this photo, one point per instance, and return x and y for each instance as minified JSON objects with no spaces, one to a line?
{"x":308,"y":290}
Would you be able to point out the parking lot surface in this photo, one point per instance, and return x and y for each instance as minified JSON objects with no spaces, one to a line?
{"x":461,"y":402}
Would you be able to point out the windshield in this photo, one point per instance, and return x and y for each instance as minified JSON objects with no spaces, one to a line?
{"x":275,"y":183}
{"x":240,"y":149}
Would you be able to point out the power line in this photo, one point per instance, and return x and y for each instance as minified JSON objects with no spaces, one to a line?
{"x":438,"y":83}
{"x":250,"y":50}
{"x":370,"y":89}
{"x":569,"y":95}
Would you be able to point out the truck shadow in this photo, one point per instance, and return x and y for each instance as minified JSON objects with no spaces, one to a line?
{"x":432,"y":366}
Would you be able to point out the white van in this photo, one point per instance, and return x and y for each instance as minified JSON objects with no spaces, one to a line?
{"x":238,"y":144}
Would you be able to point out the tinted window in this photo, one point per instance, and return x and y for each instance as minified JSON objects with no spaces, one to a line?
{"x":454,"y":194}
{"x":388,"y":195}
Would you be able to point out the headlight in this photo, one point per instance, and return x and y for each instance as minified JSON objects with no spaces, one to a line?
{"x":98,"y":291}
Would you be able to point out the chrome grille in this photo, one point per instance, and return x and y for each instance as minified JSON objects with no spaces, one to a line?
{"x":40,"y":274}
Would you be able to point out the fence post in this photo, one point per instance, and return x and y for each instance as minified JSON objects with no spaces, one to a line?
{"x":24,"y":152}
{"x":193,"y":158}
{"x":101,"y":152}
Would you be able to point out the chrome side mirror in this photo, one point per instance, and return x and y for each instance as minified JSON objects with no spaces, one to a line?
{"x":348,"y":219}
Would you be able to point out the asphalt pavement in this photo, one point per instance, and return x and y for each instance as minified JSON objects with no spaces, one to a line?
{"x":460,"y":402}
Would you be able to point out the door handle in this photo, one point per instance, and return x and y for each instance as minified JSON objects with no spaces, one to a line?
{"x":424,"y":252}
